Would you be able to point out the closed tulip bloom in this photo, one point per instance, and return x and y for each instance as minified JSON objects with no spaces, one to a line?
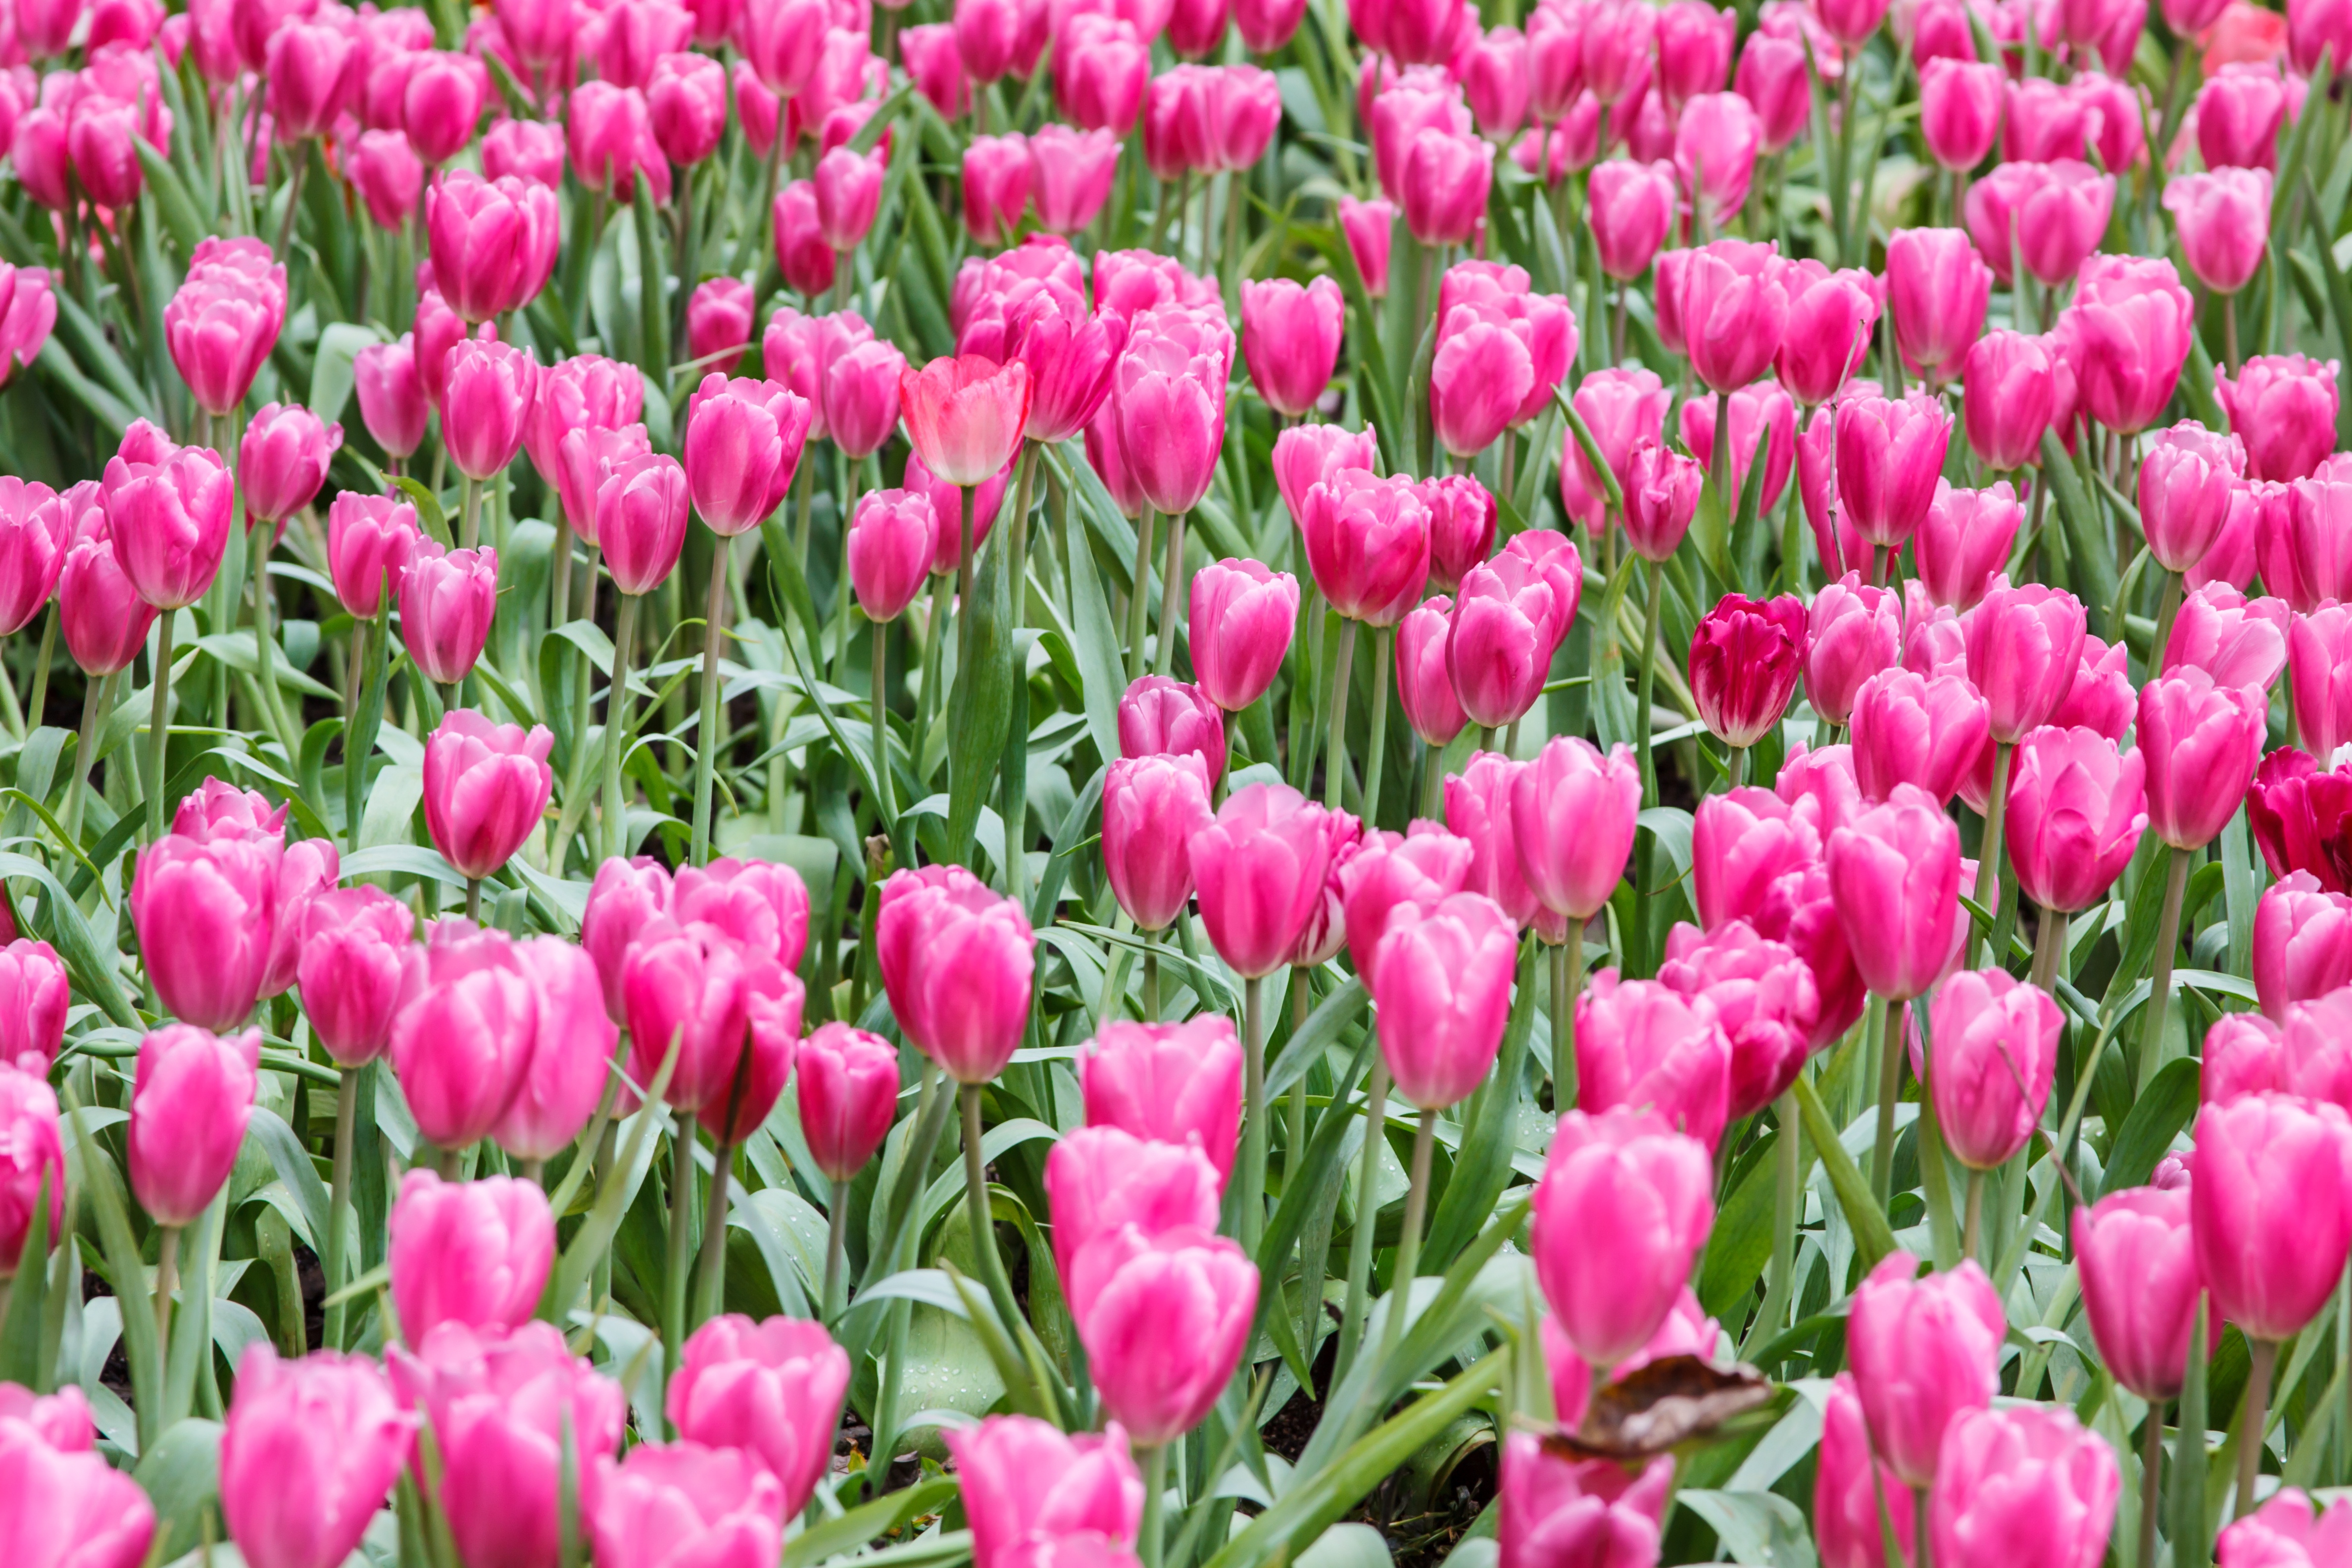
{"x":1290,"y":340}
{"x":641,"y":509}
{"x":385,"y":171}
{"x":1890,"y":456}
{"x":2268,"y":1209}
{"x":391,"y":394}
{"x":1558,"y":1511}
{"x":1620,"y":1216}
{"x":1152,"y":806}
{"x":1024,"y":1479}
{"x":1996,"y":1057}
{"x":672,"y":1505}
{"x":1164,"y":1318}
{"x":2223,"y":221}
{"x":1390,"y":872}
{"x":1572,"y":814}
{"x":1647,"y":1046}
{"x":964,"y":417}
{"x":571,"y":1057}
{"x":1100,"y":68}
{"x":1850,"y":1483}
{"x":2077,"y":810}
{"x":474,"y":1253}
{"x":1367,"y":544}
{"x":1960,"y":111}
{"x":1623,"y":410}
{"x":2283,"y":1531}
{"x":2187,"y":478}
{"x":34,"y":996}
{"x":2024,"y":1486}
{"x":589,"y":394}
{"x":484,"y":235}
{"x":1964,"y":539}
{"x":2319,"y":678}
{"x":1478,"y":812}
{"x":69,"y":1509}
{"x":1168,"y":399}
{"x":743,"y":441}
{"x":32,"y":1162}
{"x":486,"y":394}
{"x":1764,"y":1000}
{"x":804,"y":258}
{"x":1462,"y":518}
{"x":223,"y":321}
{"x":2024,"y":644}
{"x":1510,"y":617}
{"x":1307,"y":455}
{"x":1368,"y":226}
{"x":771,"y":1390}
{"x":168,"y":520}
{"x":1176,"y":1083}
{"x":2137,"y":1261}
{"x":2283,"y":406}
{"x":892,"y":539}
{"x":2240,"y":111}
{"x":1425,"y":686}
{"x":686,"y":100}
{"x":2302,"y":944}
{"x":625,"y":898}
{"x":1259,"y":867}
{"x":2008,"y":398}
{"x":2236,"y":640}
{"x":2230,"y":562}
{"x":1243,"y":616}
{"x":730,"y":1013}
{"x":206,"y":915}
{"x":1928,"y":732}
{"x":448,"y":599}
{"x":848,"y":187}
{"x":462,"y":1039}
{"x":1101,"y":1177}
{"x":1661,"y":495}
{"x":2051,"y":215}
{"x":1717,"y":138}
{"x":719,"y":325}
{"x":956,"y":961}
{"x":935,"y":66}
{"x":307,"y":1456}
{"x":1733,"y":303}
{"x":847,"y":1089}
{"x":2202,"y":741}
{"x":282,"y":460}
{"x":1481,"y":375}
{"x":1161,"y":716}
{"x":1444,"y":993}
{"x":104,"y":620}
{"x":36,"y":529}
{"x":1071,"y":172}
{"x":189,"y":1103}
{"x":352,"y":968}
{"x":1633,"y":207}
{"x":1832,"y":316}
{"x":1743,"y":663}
{"x":2132,"y":318}
{"x":1896,"y":875}
{"x":1936,"y":286}
{"x":1494,"y":80}
{"x":1924,"y":1353}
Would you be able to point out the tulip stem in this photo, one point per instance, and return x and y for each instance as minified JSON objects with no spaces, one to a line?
{"x":976,"y":1203}
{"x":1171,"y":579}
{"x":1376,"y":750}
{"x":1150,"y":1004}
{"x":1737,"y":773}
{"x":2168,"y":938}
{"x":1335,"y":765}
{"x":835,"y":1241}
{"x":706,"y":738}
{"x":964,"y":607}
{"x":469,"y":511}
{"x":39,"y":702}
{"x":96,"y":703}
{"x":474,"y":899}
{"x":2167,"y":606}
{"x":1567,"y":981}
{"x":2230,"y":330}
{"x":264,"y":649}
{"x":2151,"y":1490}
{"x":167,"y":1279}
{"x":1647,"y":684}
{"x":339,"y":1202}
{"x":1155,"y":1490}
{"x":1408,"y":1257}
{"x":2049,"y":944}
{"x":616,"y":725}
{"x":158,"y":725}
{"x":710,"y":1278}
{"x":1251,"y":1203}
{"x":1788,"y":1176}
{"x":2265,"y":1357}
{"x":1989,"y":851}
{"x":1359,"y":1244}
{"x":1138,"y":603}
{"x":1888,"y":1054}
{"x":1972,"y":1228}
{"x":880,"y":703}
{"x":681,"y":1236}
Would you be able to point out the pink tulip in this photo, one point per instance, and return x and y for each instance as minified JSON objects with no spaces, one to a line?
{"x":935,"y":66}
{"x":1425,"y":686}
{"x":2077,"y":810}
{"x":384,"y":170}
{"x":1366,"y":227}
{"x":1895,"y":874}
{"x":1832,"y":316}
{"x":224,"y":318}
{"x":686,"y":101}
{"x":1462,"y":518}
{"x":2024,"y":644}
{"x":1963,"y":541}
{"x":282,"y":460}
{"x":682,"y":1505}
{"x":2319,"y":678}
{"x":2283,"y":1531}
{"x":1243,"y":615}
{"x":1960,"y":111}
{"x":1572,"y":812}
{"x":1633,"y":206}
{"x":956,"y":961}
{"x":1890,"y":455}
{"x":486,"y":788}
{"x":2030,"y":1485}
{"x":1152,"y":806}
{"x":743,"y":442}
{"x":1923,"y":1353}
{"x":1996,"y":1046}
{"x":762,"y":905}
{"x":462,"y":1039}
{"x":641,"y":508}
{"x":2302,"y":943}
{"x":1936,"y":286}
{"x":1307,"y":455}
{"x":1444,"y":992}
{"x":1494,"y":73}
{"x":1071,"y":174}
{"x":351,"y":970}
{"x":892,"y":539}
{"x":1390,"y":871}
{"x":730,"y":1013}
{"x":189,"y":1104}
{"x":1510,"y":617}
{"x":309,"y":1455}
{"x":964,"y":417}
{"x":1650,"y":1047}
{"x":718,"y":324}
{"x":1177,"y":1083}
{"x":1621,"y":1213}
{"x":2140,"y":1285}
{"x":392,"y":396}
{"x":2008,"y":398}
{"x":35,"y":529}
{"x":1761,"y":416}
{"x":67,"y":1505}
{"x":770,"y":1390}
{"x":1555,"y":1509}
{"x":2283,"y":407}
{"x":32,"y":1162}
{"x":1290,"y":340}
{"x":448,"y":599}
{"x":2268,"y":1209}
{"x":34,"y":996}
{"x":527,"y":149}
{"x":2202,"y":743}
{"x":2237,"y":641}
{"x":167,"y":514}
{"x":807,"y":262}
{"x":1623,"y":410}
{"x":1024,"y":1480}
{"x":1367,"y":544}
{"x":1168,"y":400}
{"x":1158,"y":716}
{"x":1716,"y":139}
{"x":587,"y":394}
{"x":2240,"y":111}
{"x":1164,"y":1318}
{"x":2224,"y":220}
{"x":847,"y":1089}
{"x":2186,"y":479}
{"x":625,"y":898}
{"x":1927,"y":732}
{"x":1478,"y":812}
{"x":571,"y":1057}
{"x":486,"y":237}
{"x":1848,"y":1486}
{"x":1100,"y":1178}
{"x":1101,"y":65}
{"x":2049,"y":214}
{"x":1743,"y":663}
{"x":996,"y":176}
{"x":2132,"y":318}
{"x":1661,"y":494}
{"x":486,"y":394}
{"x":474,"y":1253}
{"x":1733,"y":302}
{"x":206,"y":915}
{"x":1259,"y":868}
{"x":1763,"y":999}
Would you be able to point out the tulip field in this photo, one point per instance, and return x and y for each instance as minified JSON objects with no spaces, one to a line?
{"x":1175,"y":783}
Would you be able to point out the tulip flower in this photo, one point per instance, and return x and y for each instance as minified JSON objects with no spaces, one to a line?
{"x":1830,"y":318}
{"x":2283,"y":408}
{"x":2132,"y":318}
{"x":1996,"y":1044}
{"x":964,"y":415}
{"x":771,"y":1390}
{"x":2202,"y":743}
{"x":1743,"y":841}
{"x":206,"y":915}
{"x":1763,"y":999}
{"x":1290,"y":341}
{"x":486,"y":788}
{"x":189,"y":1103}
{"x":1762,"y":416}
{"x":1307,"y":455}
{"x":1558,"y":1509}
{"x":1158,"y":716}
{"x":32,"y":1162}
{"x":2236,"y":640}
{"x":728,"y":1012}
{"x":1367,"y":543}
{"x":2186,"y":479}
{"x":2075,"y":811}
{"x":762,"y":905}
{"x":1152,"y":805}
{"x":1850,"y":1484}
{"x":2223,"y":221}
{"x":1572,"y":814}
{"x":1661,"y":498}
{"x":2285,"y":1530}
{"x":674,"y":1504}
{"x":462,"y":1039}
{"x":2253,"y":1154}
{"x":1732,"y":300}
{"x":892,"y":539}
{"x":2302,"y":943}
{"x":743,"y":441}
{"x":956,"y":961}
{"x":571,"y":1057}
{"x":1259,"y":868}
{"x":1024,"y":1479}
{"x":447,"y":600}
{"x":996,"y":174}
{"x":1462,"y":518}
{"x":1927,"y":732}
{"x":2050,"y":215}
{"x":847,"y":1089}
{"x":351,"y":970}
{"x":1102,"y":66}
{"x":1425,"y":686}
{"x":1633,"y":207}
{"x":1963,"y":541}
{"x":487,"y":391}
{"x":473,"y":1253}
{"x":1176,"y":1083}
{"x":167,"y":514}
{"x":718,"y":324}
{"x":34,"y":996}
{"x":1243,"y":615}
{"x":1936,"y":286}
{"x":1444,"y":989}
{"x":1960,"y":111}
{"x":1923,"y":1353}
{"x":1744,"y":664}
{"x":1508,"y":619}
{"x":391,"y":395}
{"x":1895,"y":874}
{"x":1890,"y":455}
{"x":1165,"y":1316}
{"x":1620,"y":1216}
{"x":1070,"y":174}
{"x":1168,"y":400}
{"x":1100,"y":1178}
{"x":224,"y":318}
{"x":1646,"y":1046}
{"x":2240,"y":111}
{"x":307,"y":1456}
{"x":2008,"y":398}
{"x":2140,"y":1284}
{"x":2032,"y":1486}
{"x":2319,"y":678}
{"x":1478,"y":812}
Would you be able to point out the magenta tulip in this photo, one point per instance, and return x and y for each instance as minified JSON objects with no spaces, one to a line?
{"x":1620,"y":1216}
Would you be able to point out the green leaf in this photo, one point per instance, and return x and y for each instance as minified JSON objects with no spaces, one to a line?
{"x":1873,"y":1236}
{"x":981,"y":703}
{"x":2141,"y":922}
{"x":2086,"y":540}
{"x":2156,"y":1117}
{"x":292,"y":1164}
{"x":20,"y":1325}
{"x":2191,"y":1541}
{"x":178,"y":208}
{"x":93,"y":967}
{"x":180,"y":1473}
{"x":1741,"y":1242}
{"x":850,"y":1530}
{"x":429,"y":514}
{"x":331,"y":366}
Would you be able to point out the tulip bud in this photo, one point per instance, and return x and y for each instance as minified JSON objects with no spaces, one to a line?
{"x":462,"y":1039}
{"x":485,"y":393}
{"x":2140,"y":1285}
{"x":1290,"y":341}
{"x":1259,"y":870}
{"x":891,"y":543}
{"x":1572,"y":814}
{"x":1621,"y":1213}
{"x":1937,"y":288}
{"x":1176,"y":1083}
{"x":2008,"y":398}
{"x":2284,"y":1530}
{"x":2223,"y":221}
{"x":718,"y":324}
{"x":685,"y":1503}
{"x":743,"y":442}
{"x":1443,"y":994}
{"x":2132,"y":318}
{"x":2202,"y":743}
{"x":956,"y":961}
{"x":474,"y":1253}
{"x":1425,"y":686}
{"x":1995,"y":1055}
{"x":1159,"y":716}
{"x":2268,"y":1209}
{"x":1732,"y":302}
{"x":772,"y":1390}
{"x":1243,"y":616}
{"x":1367,"y":543}
{"x":1099,"y":1178}
{"x":2033,"y":1476}
{"x":352,"y":969}
{"x":2240,"y":113}
{"x":1924,"y":1354}
{"x":1896,"y":875}
{"x":1925,"y":731}
{"x":189,"y":1104}
{"x":1621,"y":409}
{"x":391,"y":394}
{"x":167,"y":515}
{"x":1832,"y":316}
{"x":726,"y":1015}
{"x":1508,"y":620}
{"x":626,"y":897}
{"x":1024,"y":1480}
{"x":447,"y":600}
{"x":1152,"y":806}
{"x":1960,"y":111}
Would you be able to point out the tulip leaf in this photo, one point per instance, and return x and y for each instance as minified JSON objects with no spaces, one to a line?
{"x":1490,"y":1136}
{"x":91,"y":966}
{"x":2188,"y":1535}
{"x":1873,"y":1237}
{"x":180,"y":1473}
{"x":2086,"y":540}
{"x":429,"y":515}
{"x":1752,"y":1527}
{"x":2156,"y":1117}
{"x":980,"y":706}
{"x":331,"y":372}
{"x":178,"y":207}
{"x":848,"y":1531}
{"x":57,"y":361}
{"x":276,"y":1140}
{"x":20,"y":1320}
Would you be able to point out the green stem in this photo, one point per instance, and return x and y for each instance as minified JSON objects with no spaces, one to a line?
{"x":2167,"y":606}
{"x":616,"y":725}
{"x":474,"y":898}
{"x":469,"y":512}
{"x":167,"y":1279}
{"x":1152,"y":1542}
{"x":2167,"y":938}
{"x":1408,"y":1258}
{"x":706,"y":738}
{"x":1335,"y":765}
{"x":1888,"y":1054}
{"x":97,"y":702}
{"x":2151,"y":1487}
{"x":841,"y":593}
{"x":1787,"y":1199}
{"x":35,"y":708}
{"x":1566,"y":983}
{"x":710,"y":1277}
{"x":1251,"y":1200}
{"x":1989,"y":854}
{"x":1172,"y":597}
{"x":1972,"y":1228}
{"x":681,"y":1239}
{"x":2257,"y":1422}
{"x":835,"y":1246}
{"x":1359,"y":1244}
{"x":885,"y":808}
{"x":159,"y":726}
{"x":1377,"y":750}
{"x":339,"y":1200}
{"x":2049,"y":943}
{"x":1138,"y":602}
{"x":1647,"y":683}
